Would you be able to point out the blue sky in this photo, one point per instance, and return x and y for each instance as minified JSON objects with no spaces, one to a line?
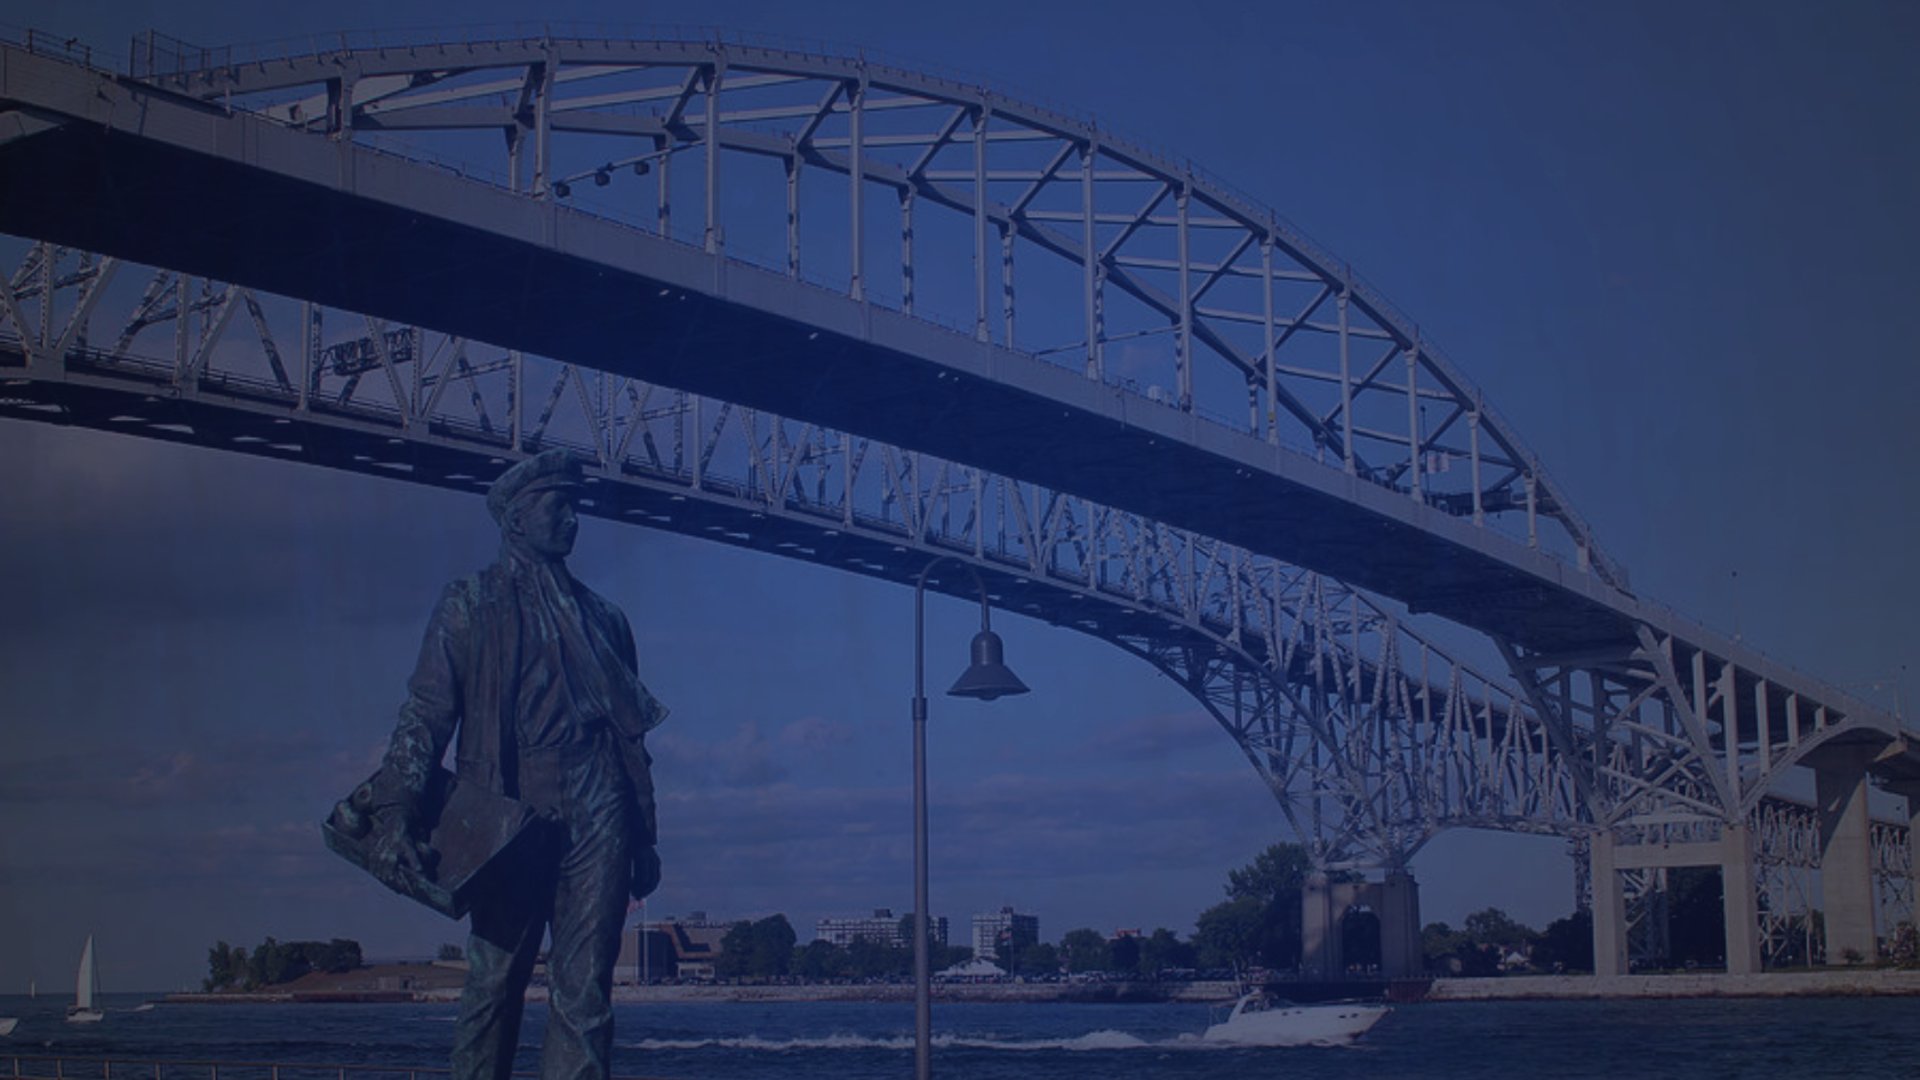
{"x":1673,"y":244}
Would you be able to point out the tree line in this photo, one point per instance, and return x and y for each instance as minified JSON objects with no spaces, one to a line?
{"x":235,"y":967}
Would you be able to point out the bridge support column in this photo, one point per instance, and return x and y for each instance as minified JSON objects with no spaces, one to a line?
{"x":1320,"y":944}
{"x":1609,"y":906}
{"x":1738,"y":903}
{"x":1846,"y":858}
{"x":1399,"y":908}
{"x":1910,"y":791}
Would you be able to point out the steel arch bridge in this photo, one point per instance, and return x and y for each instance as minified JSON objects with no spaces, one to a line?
{"x":1180,"y":427}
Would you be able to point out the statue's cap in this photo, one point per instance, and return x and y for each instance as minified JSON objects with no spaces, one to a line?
{"x":547,"y":469}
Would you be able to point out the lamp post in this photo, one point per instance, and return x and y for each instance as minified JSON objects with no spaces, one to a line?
{"x":986,"y":678}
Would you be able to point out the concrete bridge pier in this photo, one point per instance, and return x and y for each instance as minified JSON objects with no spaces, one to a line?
{"x":1733,"y":853}
{"x":1323,"y":910}
{"x":1846,"y":852}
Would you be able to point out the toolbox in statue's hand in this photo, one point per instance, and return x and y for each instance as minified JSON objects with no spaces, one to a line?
{"x":474,"y":836}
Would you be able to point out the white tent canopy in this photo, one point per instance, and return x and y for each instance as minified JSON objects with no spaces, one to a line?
{"x":976,"y":968}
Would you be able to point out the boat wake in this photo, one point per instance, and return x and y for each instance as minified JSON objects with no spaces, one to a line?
{"x":1103,"y":1040}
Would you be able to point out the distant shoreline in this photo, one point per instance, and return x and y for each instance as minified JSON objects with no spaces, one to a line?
{"x":1100,"y":993}
{"x":1863,"y":982}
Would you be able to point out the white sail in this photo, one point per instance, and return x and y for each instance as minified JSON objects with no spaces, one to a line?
{"x":83,"y":982}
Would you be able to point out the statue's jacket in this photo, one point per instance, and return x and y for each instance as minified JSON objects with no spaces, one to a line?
{"x":467,"y":678}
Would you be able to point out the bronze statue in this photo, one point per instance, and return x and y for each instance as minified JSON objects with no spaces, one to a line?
{"x":534,"y":680}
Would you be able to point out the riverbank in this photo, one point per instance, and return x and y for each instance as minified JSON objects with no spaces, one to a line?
{"x":380,"y":988}
{"x":1840,"y":982}
{"x":419,"y":983}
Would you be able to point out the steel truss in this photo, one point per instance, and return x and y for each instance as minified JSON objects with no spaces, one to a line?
{"x":1372,"y":737}
{"x":1144,"y":272}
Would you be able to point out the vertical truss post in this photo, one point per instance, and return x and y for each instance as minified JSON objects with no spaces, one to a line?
{"x":792,"y":163}
{"x":1341,"y":304}
{"x":1006,"y":278}
{"x":980,"y":222}
{"x":906,"y":249}
{"x":516,"y":396}
{"x":182,"y":316}
{"x":1415,"y":458}
{"x":663,"y":171}
{"x":714,"y":74}
{"x":50,"y":255}
{"x":1183,"y":346}
{"x":1090,"y":263}
{"x":1533,"y":509}
{"x":1473,"y":454}
{"x":543,"y":127}
{"x":309,"y":351}
{"x":1266,"y":338}
{"x":856,"y":180}
{"x":846,"y":462}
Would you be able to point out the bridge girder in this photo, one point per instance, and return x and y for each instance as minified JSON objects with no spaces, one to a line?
{"x":1372,"y":738}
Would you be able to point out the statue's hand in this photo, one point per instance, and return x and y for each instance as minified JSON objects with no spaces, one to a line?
{"x":397,"y":846}
{"x":646,"y":872}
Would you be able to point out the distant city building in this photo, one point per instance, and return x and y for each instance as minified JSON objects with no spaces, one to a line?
{"x":882,"y":926}
{"x":672,"y":948}
{"x":1004,"y":928}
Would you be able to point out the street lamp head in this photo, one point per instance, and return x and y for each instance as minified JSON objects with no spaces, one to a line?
{"x":988,"y":677}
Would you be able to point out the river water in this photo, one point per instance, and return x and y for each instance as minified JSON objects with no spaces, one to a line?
{"x":1696,"y":1039}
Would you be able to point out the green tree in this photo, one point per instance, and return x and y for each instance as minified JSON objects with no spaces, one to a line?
{"x":1455,"y":952}
{"x":219,"y":972}
{"x":1273,"y":880}
{"x":262,"y":964}
{"x":1274,"y":873}
{"x":1085,"y":950}
{"x":1491,"y":926}
{"x":1231,"y":934}
{"x":821,"y":959}
{"x":1567,"y":943}
{"x":736,"y":952}
{"x":1040,"y":959}
{"x":1163,"y":949}
{"x":772,"y":946}
{"x":1124,"y":954}
{"x":870,"y":959}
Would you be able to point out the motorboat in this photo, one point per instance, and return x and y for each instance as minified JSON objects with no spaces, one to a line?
{"x":7,"y":1024}
{"x":1259,"y":1020}
{"x":83,"y":1011}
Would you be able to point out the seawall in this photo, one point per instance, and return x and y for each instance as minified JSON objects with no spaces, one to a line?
{"x":1863,"y":982}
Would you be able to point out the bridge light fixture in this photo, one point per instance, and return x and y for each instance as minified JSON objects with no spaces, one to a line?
{"x":986,"y":678}
{"x":639,"y":168}
{"x":562,"y":189}
{"x":601,"y":177}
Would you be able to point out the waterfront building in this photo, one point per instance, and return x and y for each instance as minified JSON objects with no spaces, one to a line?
{"x":672,"y":948}
{"x":1006,"y":929}
{"x":882,"y":926}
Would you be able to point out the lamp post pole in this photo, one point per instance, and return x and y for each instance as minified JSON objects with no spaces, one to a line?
{"x":922,"y":980}
{"x":986,"y":678}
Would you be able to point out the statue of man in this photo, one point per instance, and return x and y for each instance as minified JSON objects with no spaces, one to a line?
{"x":534,"y":679}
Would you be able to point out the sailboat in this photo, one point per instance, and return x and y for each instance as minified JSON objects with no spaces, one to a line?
{"x":82,"y":1010}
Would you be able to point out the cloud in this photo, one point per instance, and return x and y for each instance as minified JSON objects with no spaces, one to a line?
{"x":223,"y":772}
{"x":1157,"y":737}
{"x":815,"y":734}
